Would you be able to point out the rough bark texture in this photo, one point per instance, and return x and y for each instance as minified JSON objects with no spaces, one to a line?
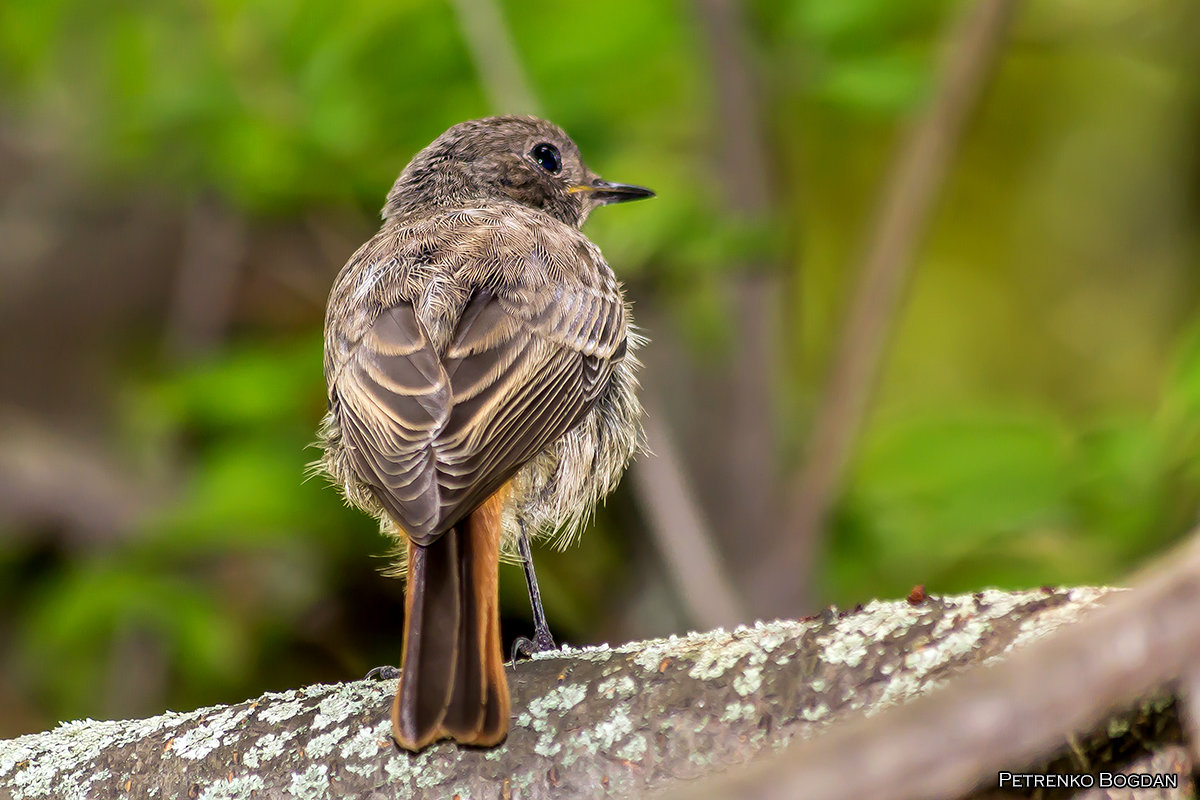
{"x":616,"y":722}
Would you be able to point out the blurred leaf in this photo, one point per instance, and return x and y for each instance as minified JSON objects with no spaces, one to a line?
{"x":28,"y":40}
{"x":1181,"y":398}
{"x":247,"y":387}
{"x":929,"y":494}
{"x":1120,"y":484}
{"x":862,"y":24}
{"x":76,"y":619}
{"x":888,"y":83}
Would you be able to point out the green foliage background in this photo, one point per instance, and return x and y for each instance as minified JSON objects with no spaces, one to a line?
{"x":1038,"y":421}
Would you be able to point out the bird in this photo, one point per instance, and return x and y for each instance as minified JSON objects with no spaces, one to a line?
{"x":481,"y":364}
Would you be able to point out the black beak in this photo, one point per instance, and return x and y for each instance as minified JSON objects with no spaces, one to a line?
{"x":606,"y":193}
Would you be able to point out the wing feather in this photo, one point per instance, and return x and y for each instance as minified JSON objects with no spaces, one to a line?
{"x":434,"y":435}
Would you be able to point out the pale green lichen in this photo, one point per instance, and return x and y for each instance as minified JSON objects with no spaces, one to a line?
{"x":701,"y":759}
{"x":923,"y":659}
{"x":397,"y":768}
{"x":816,"y":713}
{"x":267,"y":748}
{"x":847,"y":640}
{"x":430,"y":769}
{"x":634,"y":749}
{"x":1052,"y":619}
{"x":239,"y":787}
{"x":997,"y":603}
{"x":715,"y":652}
{"x":714,"y":662}
{"x":522,"y":783}
{"x":345,"y":700}
{"x":601,"y":737}
{"x":608,"y":731}
{"x":84,"y":782}
{"x":955,"y":643}
{"x":619,"y":688}
{"x":771,"y":640}
{"x":902,"y":686}
{"x":363,"y":769}
{"x":364,"y":744}
{"x":650,"y":656}
{"x":311,"y":784}
{"x":197,"y":743}
{"x":956,"y":637}
{"x":322,"y":745}
{"x":737,"y":712}
{"x":601,"y":652}
{"x":547,"y":745}
{"x":560,"y":699}
{"x":749,"y":681}
{"x":49,"y":762}
{"x":54,"y":763}
{"x":614,"y":667}
{"x":848,"y":649}
{"x":279,"y":712}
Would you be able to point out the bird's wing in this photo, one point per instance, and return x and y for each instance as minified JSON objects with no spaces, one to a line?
{"x":435,"y":436}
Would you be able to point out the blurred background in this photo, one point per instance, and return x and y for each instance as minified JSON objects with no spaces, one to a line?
{"x":921,"y":279}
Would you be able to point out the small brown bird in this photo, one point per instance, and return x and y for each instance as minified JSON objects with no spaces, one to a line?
{"x":481,"y":372}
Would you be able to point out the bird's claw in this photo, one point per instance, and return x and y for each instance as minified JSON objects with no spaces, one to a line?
{"x":385,"y":673}
{"x":541,"y":642}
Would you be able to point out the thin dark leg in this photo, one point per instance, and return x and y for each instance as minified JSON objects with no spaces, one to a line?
{"x":542,"y":640}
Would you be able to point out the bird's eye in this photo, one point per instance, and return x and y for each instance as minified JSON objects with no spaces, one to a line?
{"x":547,"y":157}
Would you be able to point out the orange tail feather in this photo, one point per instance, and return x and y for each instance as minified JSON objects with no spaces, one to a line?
{"x":452,"y":681}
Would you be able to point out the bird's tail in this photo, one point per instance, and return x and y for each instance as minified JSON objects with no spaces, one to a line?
{"x":452,"y":682}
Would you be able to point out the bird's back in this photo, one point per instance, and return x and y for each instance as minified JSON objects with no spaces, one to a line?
{"x":460,"y":343}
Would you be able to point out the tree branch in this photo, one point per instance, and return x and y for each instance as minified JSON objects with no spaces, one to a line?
{"x":210,"y":266}
{"x":647,"y":716}
{"x":943,"y":745}
{"x":680,"y":532}
{"x":742,"y":481}
{"x":491,"y":47}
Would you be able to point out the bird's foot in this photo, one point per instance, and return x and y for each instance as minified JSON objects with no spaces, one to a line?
{"x":385,"y":673}
{"x":540,"y":643}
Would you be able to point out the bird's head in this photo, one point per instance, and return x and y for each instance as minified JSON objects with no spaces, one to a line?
{"x":522,"y":159}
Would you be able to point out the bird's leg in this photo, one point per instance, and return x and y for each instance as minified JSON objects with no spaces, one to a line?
{"x":542,"y":640}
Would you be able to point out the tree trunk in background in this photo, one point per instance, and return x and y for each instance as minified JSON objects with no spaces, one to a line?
{"x":734,"y":451}
{"x":904,"y":216}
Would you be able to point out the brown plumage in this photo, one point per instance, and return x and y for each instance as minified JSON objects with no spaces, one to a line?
{"x":481,"y":374}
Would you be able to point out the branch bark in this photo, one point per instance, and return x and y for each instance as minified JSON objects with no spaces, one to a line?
{"x":943,"y":745}
{"x":645,"y":717}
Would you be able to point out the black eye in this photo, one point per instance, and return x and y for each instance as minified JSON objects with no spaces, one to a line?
{"x":547,"y":157}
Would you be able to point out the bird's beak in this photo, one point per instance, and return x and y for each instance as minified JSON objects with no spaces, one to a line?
{"x":602,"y":192}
